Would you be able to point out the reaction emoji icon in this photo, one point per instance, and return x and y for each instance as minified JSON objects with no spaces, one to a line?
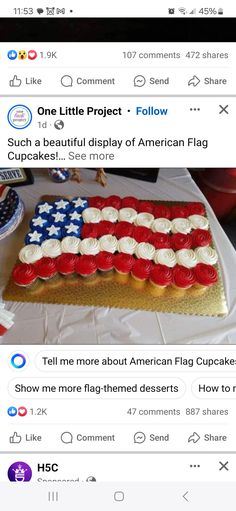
{"x":22,"y":55}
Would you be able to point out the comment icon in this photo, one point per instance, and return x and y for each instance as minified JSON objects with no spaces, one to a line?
{"x":66,"y":437}
{"x":67,"y":81}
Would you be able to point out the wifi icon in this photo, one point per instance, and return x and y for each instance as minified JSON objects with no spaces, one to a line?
{"x":182,"y":10}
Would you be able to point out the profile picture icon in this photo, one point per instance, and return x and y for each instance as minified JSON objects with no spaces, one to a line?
{"x":19,"y":472}
{"x":19,"y":117}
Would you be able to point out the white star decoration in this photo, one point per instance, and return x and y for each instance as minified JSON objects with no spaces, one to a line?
{"x":75,"y":216}
{"x":79,"y":202}
{"x":61,"y":204}
{"x":58,"y":217}
{"x":71,"y":228}
{"x":39,"y":221}
{"x":35,"y":236}
{"x":45,"y":208}
{"x":53,"y":230}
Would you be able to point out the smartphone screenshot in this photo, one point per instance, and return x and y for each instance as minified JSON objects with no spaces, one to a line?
{"x":117,"y":269}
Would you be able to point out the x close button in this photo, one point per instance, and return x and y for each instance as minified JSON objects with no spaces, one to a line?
{"x":224,"y":465}
{"x":223,"y":109}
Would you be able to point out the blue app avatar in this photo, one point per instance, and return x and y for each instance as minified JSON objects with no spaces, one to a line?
{"x":12,"y":55}
{"x":12,"y":411}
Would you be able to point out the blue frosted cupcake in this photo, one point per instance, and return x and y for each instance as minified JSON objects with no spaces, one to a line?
{"x":44,"y":209}
{"x":53,"y":232}
{"x":58,"y":219}
{"x":75,"y":217}
{"x":38,"y":223}
{"x":62,"y":205}
{"x":71,"y":229}
{"x":35,"y":237}
{"x":79,"y":204}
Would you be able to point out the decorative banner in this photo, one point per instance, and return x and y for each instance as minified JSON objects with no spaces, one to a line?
{"x":16,"y":177}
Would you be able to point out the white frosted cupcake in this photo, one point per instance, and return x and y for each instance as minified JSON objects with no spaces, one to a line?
{"x":30,"y":254}
{"x":92,"y":215}
{"x":127,"y":215}
{"x":198,"y":222}
{"x":165,"y":256}
{"x":70,"y":244}
{"x":110,"y":214}
{"x":145,"y":251}
{"x":89,"y":246}
{"x":161,"y":225}
{"x":108,"y":243}
{"x":145,"y":219}
{"x":127,"y":245}
{"x":206,"y":255}
{"x":182,"y":225}
{"x":186,"y":257}
{"x":51,"y":248}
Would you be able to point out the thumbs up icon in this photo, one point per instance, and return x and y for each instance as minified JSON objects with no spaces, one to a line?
{"x":15,"y":82}
{"x":15,"y":438}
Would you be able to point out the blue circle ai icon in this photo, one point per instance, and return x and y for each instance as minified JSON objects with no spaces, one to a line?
{"x":19,"y":117}
{"x":18,"y":361}
{"x":12,"y":55}
{"x":12,"y":411}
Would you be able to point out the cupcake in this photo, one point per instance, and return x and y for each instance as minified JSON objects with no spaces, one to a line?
{"x":44,"y":209}
{"x":71,"y":229}
{"x":179,"y":211}
{"x":141,"y":269}
{"x":201,"y":238}
{"x":86,"y":265}
{"x":180,"y":241}
{"x":51,"y":248}
{"x":160,"y":240}
{"x":58,"y":219}
{"x":186,"y":257}
{"x":70,"y":244}
{"x":145,"y":207}
{"x":79,"y":204}
{"x":123,"y":263}
{"x":90,"y":231}
{"x":144,"y":219}
{"x":183,"y":278}
{"x":123,"y":229}
{"x":165,"y":256}
{"x":108,"y":243}
{"x":196,"y":208}
{"x":198,"y":222}
{"x":62,"y":205}
{"x":161,"y":211}
{"x":145,"y":251}
{"x":38,"y":223}
{"x":34,"y":237}
{"x":106,"y":227}
{"x":127,"y":245}
{"x":53,"y":232}
{"x":162,"y":225}
{"x":206,"y":255}
{"x":181,"y":225}
{"x":89,"y":246}
{"x":24,"y":275}
{"x":109,"y":213}
{"x":76,"y":218}
{"x":65,"y":263}
{"x":104,"y":261}
{"x":45,"y":268}
{"x":96,"y":202}
{"x":113,"y":201}
{"x":92,"y":215}
{"x":130,"y":202}
{"x":206,"y":275}
{"x":29,"y":254}
{"x":161,"y":276}
{"x":127,"y":215}
{"x":142,"y":234}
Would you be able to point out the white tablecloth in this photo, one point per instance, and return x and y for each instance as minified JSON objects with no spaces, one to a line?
{"x":58,"y":324}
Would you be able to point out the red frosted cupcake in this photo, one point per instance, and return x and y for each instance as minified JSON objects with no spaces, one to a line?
{"x":24,"y":274}
{"x":179,"y":211}
{"x":206,"y":275}
{"x":65,"y":263}
{"x":179,"y":241}
{"x":196,"y":208}
{"x":141,"y":269}
{"x":86,"y":265}
{"x":161,"y":276}
{"x":104,"y":261}
{"x":90,"y":231}
{"x":183,"y":278}
{"x":141,"y":233}
{"x":123,"y":263}
{"x":105,"y":227}
{"x":45,"y":268}
{"x":161,"y":211}
{"x":130,"y":202}
{"x":113,"y":201}
{"x":145,"y":207}
{"x":160,"y":240}
{"x":201,"y":238}
{"x":123,"y":229}
{"x":96,"y":202}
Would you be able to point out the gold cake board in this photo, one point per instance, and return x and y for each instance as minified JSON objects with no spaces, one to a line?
{"x":114,"y":290}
